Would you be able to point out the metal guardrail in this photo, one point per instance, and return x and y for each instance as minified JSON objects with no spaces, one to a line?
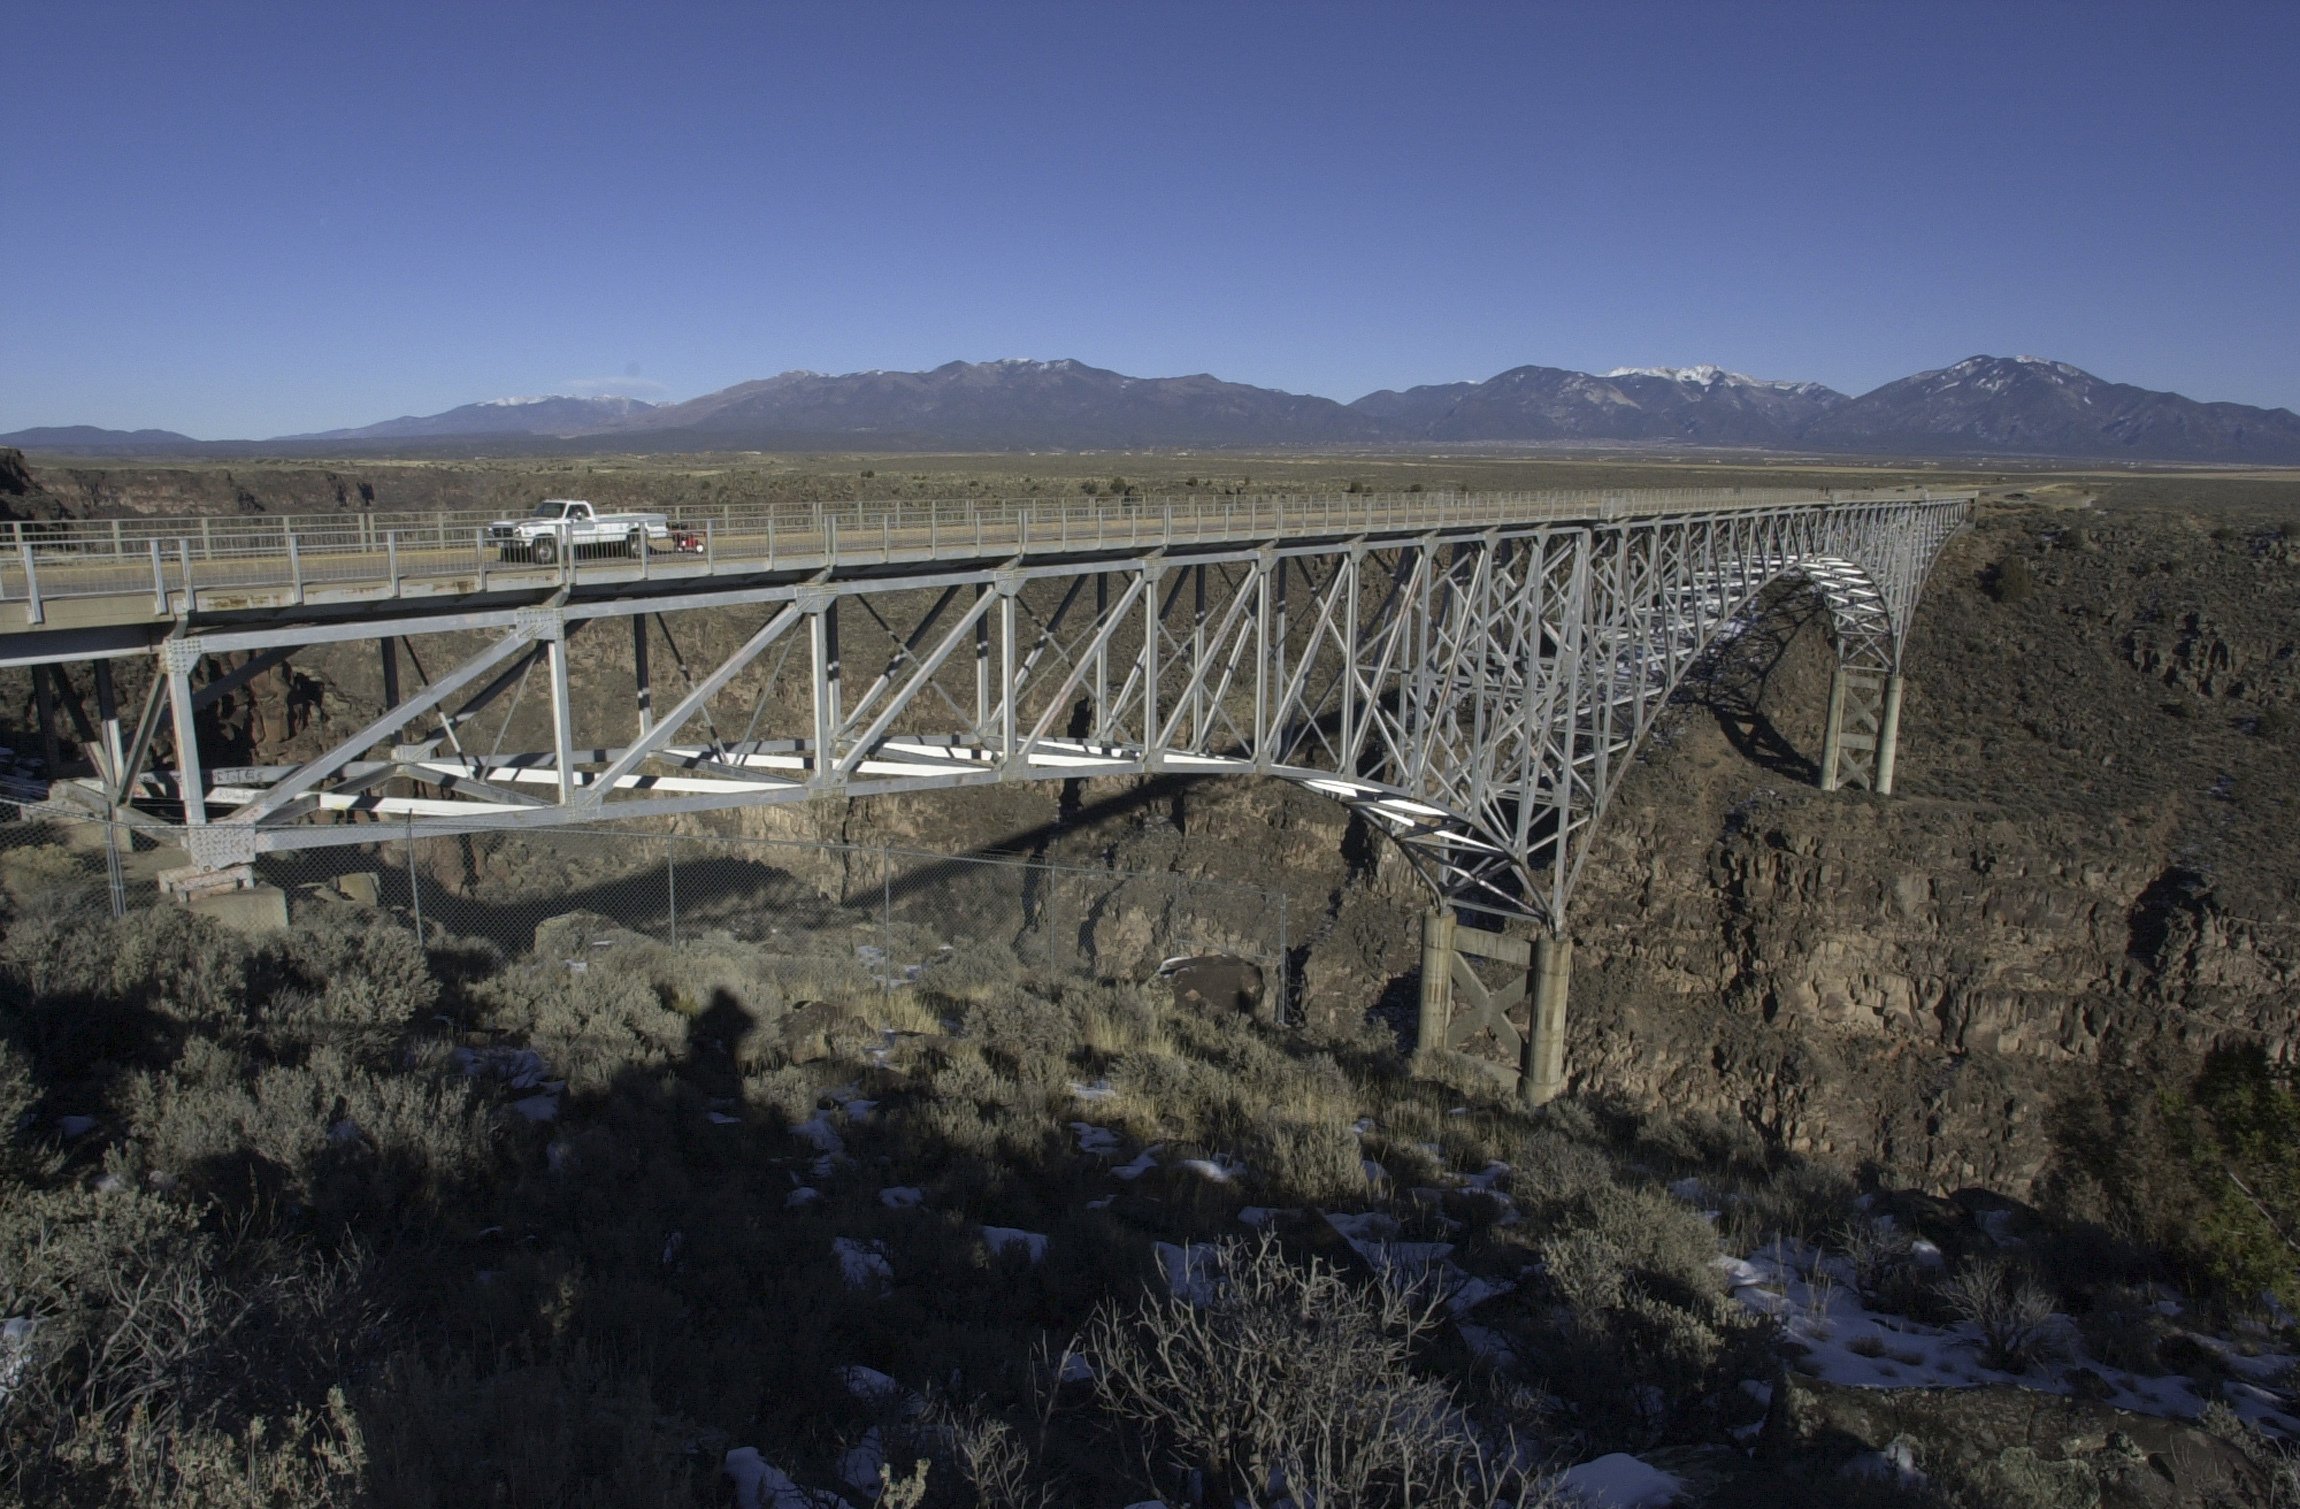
{"x":170,"y":556}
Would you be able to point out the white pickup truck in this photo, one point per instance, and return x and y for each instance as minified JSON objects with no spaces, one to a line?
{"x":566,"y":526}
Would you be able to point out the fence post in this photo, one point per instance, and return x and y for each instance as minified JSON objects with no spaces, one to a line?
{"x":1274,"y":1003}
{"x":671,"y":883}
{"x":886,"y":918}
{"x":112,"y":868}
{"x":414,"y":883}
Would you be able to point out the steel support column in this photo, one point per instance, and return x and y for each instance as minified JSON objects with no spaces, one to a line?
{"x":643,"y":683}
{"x":1541,"y":1076}
{"x":1437,"y":981}
{"x":823,"y":659}
{"x":177,"y":661}
{"x":111,"y":754}
{"x":1889,"y":734}
{"x":1833,"y":732}
{"x":562,"y":714}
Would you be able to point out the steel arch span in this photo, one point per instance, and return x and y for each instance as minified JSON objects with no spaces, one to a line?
{"x":1474,"y":686}
{"x":1473,"y":674}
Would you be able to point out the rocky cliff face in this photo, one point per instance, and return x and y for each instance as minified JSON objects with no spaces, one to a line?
{"x":2090,"y":863}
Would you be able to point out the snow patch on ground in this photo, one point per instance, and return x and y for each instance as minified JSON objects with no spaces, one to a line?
{"x":1189,"y":1271}
{"x":1619,"y":1481}
{"x":1843,"y":1341}
{"x":1100,"y":1142}
{"x":1489,"y":1345}
{"x":818,"y":1133}
{"x":1220,"y":1169}
{"x":859,"y":1464}
{"x":863,"y":1264}
{"x":1375,"y":1237}
{"x":15,"y":1352}
{"x":1144,"y":1161}
{"x":519,"y":1068}
{"x":1004,"y":1239}
{"x":759,"y":1484}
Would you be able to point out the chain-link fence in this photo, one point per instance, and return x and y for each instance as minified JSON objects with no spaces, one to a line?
{"x":865,"y":916}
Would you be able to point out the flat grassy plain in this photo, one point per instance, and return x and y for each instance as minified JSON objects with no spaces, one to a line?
{"x":98,"y":487}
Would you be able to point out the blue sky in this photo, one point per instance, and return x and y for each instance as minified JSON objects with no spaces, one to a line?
{"x":255,"y":219}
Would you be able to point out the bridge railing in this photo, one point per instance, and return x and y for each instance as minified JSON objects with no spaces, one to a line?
{"x":163,"y":555}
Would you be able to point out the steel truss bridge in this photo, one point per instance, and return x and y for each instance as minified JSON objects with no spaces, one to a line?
{"x":1472,"y":674}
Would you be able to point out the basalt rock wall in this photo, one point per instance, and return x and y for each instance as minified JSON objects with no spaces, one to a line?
{"x":2089,"y":864}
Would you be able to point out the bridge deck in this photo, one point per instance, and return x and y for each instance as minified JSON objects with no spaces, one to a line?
{"x":131,"y":574}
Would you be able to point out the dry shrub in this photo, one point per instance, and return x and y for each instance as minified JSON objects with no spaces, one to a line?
{"x":1030,"y":1037}
{"x":159,"y":1349}
{"x":2122,"y":1328}
{"x":1884,"y":1262}
{"x":19,"y":1100}
{"x":590,"y":1025}
{"x":347,"y":973}
{"x":2014,"y":1313}
{"x":1308,"y":1161}
{"x":336,"y":1137}
{"x":570,"y":1431}
{"x":1552,"y":1173}
{"x":1704,"y":1142}
{"x":1287,"y":1377}
{"x":1116,"y":1019}
{"x":1647,"y":1329}
{"x":1803,"y":1202}
{"x":307,"y":1459}
{"x":2019,"y":1478}
{"x":88,"y":988}
{"x":967,"y":1445}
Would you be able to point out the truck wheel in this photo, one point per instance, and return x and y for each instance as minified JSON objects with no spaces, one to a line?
{"x":545,"y":550}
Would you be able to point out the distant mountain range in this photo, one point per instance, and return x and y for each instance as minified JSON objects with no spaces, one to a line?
{"x":553,"y":414}
{"x":1983,"y":406}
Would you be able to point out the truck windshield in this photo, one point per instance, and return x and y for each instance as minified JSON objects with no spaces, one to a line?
{"x":549,"y":510}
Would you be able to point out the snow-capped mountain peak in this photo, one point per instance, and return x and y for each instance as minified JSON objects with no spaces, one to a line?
{"x":1710,"y":375}
{"x":1702,"y":375}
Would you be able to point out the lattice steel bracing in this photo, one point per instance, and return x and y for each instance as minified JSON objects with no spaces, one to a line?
{"x":1472,"y":675}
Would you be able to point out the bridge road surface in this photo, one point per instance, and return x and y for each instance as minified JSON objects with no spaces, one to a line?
{"x":137,"y":577}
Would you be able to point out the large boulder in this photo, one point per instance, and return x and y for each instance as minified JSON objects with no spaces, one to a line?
{"x":1214,"y":980}
{"x":2018,"y":1444}
{"x":814,"y":1030}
